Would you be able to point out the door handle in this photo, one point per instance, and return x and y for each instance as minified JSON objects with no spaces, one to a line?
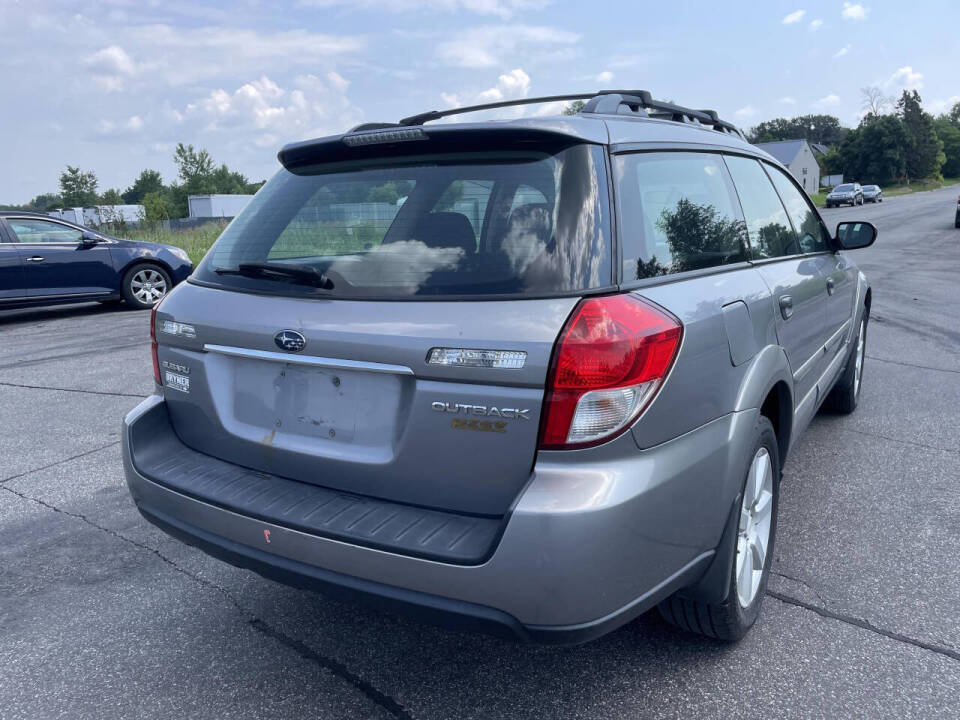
{"x":786,"y":306}
{"x":831,"y":286}
{"x":35,"y":258}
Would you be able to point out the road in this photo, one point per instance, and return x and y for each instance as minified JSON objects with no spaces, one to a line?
{"x":103,"y":616}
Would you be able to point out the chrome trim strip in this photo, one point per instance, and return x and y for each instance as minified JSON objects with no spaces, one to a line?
{"x":801,"y":371}
{"x":311,"y":360}
{"x":843,"y":328}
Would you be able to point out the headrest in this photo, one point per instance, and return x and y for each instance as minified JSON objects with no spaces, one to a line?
{"x":446,"y":229}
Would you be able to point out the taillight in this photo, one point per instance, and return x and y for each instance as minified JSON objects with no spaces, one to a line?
{"x":610,"y":360}
{"x":153,"y":345}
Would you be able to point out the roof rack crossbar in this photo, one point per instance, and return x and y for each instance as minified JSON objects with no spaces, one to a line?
{"x":602,"y":102}
{"x":421,"y":118}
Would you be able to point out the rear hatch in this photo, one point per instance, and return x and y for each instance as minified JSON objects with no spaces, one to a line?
{"x":382,"y":323}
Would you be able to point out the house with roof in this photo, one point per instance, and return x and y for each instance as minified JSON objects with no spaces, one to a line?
{"x":799,"y":158}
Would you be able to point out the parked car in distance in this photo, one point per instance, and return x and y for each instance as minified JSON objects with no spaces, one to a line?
{"x":872,"y":193}
{"x":46,"y":261}
{"x":956,"y":219}
{"x":846,"y":194}
{"x":491,"y":404}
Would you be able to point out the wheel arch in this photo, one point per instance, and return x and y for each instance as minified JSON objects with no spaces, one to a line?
{"x":768,"y":385}
{"x":134,"y":262}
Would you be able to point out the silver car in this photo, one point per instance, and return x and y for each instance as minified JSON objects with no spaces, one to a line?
{"x":532,"y":377}
{"x":846,"y":194}
{"x":872,"y":193}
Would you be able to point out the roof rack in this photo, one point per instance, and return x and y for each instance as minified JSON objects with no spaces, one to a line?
{"x":638,"y":103}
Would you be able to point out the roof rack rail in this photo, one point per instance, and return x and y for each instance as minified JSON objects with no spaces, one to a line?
{"x":601,"y":102}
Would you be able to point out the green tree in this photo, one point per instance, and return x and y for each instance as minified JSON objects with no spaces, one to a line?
{"x":193,"y":166}
{"x":832,"y":162}
{"x":78,"y":188}
{"x":111,"y":197}
{"x":825,"y":129}
{"x":156,"y":208}
{"x":949,"y":135}
{"x":229,"y":182}
{"x":876,"y":152}
{"x":44,"y":202}
{"x":924,"y":149}
{"x":955,"y":114}
{"x":148,"y":181}
{"x":574,"y":107}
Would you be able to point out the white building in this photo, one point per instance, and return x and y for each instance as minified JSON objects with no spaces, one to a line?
{"x":217,"y":206}
{"x":799,"y":159}
{"x":96,"y":215}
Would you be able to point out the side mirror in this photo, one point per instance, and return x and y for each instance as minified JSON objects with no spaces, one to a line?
{"x":854,"y":235}
{"x":88,"y":238}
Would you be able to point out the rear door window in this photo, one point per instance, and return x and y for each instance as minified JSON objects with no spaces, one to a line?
{"x":771,"y":234}
{"x":806,"y":222}
{"x":678,"y":212}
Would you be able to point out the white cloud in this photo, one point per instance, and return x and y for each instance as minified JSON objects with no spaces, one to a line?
{"x":110,"y":67}
{"x":314,"y":106}
{"x":131,"y":125}
{"x":509,"y":86}
{"x":939,"y":106}
{"x":830,"y":100}
{"x":747,"y":111}
{"x":906,"y":79}
{"x":505,"y":9}
{"x":853,"y":11}
{"x":491,"y":45}
{"x":604,"y":77}
{"x":794,"y":17}
{"x":181,"y":56}
{"x":787,"y":100}
{"x":815,"y":24}
{"x":842,"y":51}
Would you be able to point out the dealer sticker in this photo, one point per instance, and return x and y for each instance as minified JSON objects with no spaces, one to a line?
{"x":177,"y":382}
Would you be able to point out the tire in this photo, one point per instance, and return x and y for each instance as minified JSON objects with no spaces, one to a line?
{"x":846,"y":392}
{"x":730,"y":619}
{"x":145,"y":285}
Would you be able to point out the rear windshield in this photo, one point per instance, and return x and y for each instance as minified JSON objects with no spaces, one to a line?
{"x":527,"y":223}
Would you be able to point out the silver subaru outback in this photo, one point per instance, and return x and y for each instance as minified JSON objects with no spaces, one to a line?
{"x":531,"y":378}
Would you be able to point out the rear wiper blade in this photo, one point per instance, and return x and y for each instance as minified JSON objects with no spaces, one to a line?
{"x":305,"y":274}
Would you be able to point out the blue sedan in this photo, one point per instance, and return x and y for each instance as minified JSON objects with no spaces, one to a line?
{"x":45,"y":261}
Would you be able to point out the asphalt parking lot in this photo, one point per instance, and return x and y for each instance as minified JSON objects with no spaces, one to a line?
{"x":103,"y":616}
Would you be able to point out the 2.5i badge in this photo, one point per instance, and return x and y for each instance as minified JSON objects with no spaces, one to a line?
{"x":176,"y":382}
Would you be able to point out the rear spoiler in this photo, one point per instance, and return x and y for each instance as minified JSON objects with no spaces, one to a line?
{"x":366,"y":142}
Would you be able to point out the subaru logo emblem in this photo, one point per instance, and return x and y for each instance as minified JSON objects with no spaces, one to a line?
{"x":290,"y":340}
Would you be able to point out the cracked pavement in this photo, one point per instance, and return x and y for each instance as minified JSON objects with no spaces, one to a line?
{"x":102,"y":615}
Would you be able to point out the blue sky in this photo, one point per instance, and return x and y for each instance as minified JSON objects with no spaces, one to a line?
{"x":113,"y":85}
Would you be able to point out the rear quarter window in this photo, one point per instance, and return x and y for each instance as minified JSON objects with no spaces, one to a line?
{"x":678,"y":212}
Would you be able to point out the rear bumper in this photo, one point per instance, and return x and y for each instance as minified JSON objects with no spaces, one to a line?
{"x":588,"y":546}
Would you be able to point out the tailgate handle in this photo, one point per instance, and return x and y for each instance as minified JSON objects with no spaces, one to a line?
{"x":786,"y":306}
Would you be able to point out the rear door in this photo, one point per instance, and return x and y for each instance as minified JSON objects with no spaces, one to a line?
{"x":56,"y":262}
{"x":418,"y":377}
{"x":796,"y":280}
{"x":11,"y":268}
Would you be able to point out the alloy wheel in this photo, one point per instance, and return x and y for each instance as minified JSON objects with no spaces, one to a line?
{"x":753,"y":537}
{"x":148,"y":286}
{"x":858,"y":367}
